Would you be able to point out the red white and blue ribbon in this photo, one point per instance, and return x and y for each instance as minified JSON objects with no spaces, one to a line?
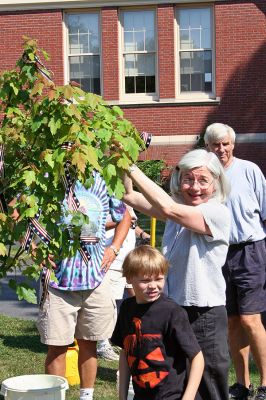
{"x":146,"y":137}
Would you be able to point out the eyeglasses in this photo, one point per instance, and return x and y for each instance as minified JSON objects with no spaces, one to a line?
{"x":203,"y":183}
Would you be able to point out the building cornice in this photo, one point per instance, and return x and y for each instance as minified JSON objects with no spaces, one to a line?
{"x":20,"y":5}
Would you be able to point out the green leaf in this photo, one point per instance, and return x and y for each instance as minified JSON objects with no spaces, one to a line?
{"x":31,"y":212}
{"x":123,"y":163}
{"x":118,"y":111}
{"x":119,"y":189}
{"x":29,"y":177}
{"x":15,"y":89}
{"x":68,"y":91}
{"x":23,"y":291}
{"x":49,"y":159}
{"x":3,"y":249}
{"x":110,"y":171}
{"x":92,"y":158}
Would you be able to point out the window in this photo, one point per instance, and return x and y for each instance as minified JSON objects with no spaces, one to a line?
{"x":195,"y":50}
{"x":84,"y":50}
{"x":139,"y":53}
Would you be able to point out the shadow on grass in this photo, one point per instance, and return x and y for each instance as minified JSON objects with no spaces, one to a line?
{"x":26,"y":342}
{"x":106,"y":374}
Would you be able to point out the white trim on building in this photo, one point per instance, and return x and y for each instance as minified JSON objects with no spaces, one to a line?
{"x":173,"y":140}
{"x":19,"y":5}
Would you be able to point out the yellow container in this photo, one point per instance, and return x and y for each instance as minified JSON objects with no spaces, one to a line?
{"x":72,"y":372}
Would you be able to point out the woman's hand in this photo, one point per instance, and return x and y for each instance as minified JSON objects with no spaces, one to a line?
{"x":108,"y":257}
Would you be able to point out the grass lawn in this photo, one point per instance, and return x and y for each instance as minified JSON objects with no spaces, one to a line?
{"x":21,"y":353}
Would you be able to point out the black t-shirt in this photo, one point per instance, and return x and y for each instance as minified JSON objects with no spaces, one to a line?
{"x":158,"y":340}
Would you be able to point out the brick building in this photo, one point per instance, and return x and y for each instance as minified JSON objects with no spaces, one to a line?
{"x":173,"y":67}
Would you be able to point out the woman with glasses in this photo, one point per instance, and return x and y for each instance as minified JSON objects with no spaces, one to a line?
{"x":195,"y":243}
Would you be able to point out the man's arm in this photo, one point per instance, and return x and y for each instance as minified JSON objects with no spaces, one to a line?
{"x":124,"y":376}
{"x":121,"y":231}
{"x":194,"y":378}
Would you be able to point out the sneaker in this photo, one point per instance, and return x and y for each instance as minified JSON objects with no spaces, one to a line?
{"x":261,"y":393}
{"x":239,"y":392}
{"x":107,"y":353}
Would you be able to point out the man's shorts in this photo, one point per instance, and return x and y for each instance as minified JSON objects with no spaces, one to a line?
{"x":245,"y":276}
{"x":83,"y":314}
{"x":117,"y":283}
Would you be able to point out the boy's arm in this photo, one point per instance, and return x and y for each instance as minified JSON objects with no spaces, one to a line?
{"x":194,"y":378}
{"x":124,"y":376}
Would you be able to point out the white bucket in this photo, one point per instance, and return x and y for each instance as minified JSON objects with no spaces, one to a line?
{"x":34,"y":387}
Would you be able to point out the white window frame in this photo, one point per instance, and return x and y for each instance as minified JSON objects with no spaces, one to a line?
{"x":66,"y":41}
{"x":136,"y":97}
{"x":194,"y":96}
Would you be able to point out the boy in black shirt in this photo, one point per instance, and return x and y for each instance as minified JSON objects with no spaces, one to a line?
{"x":155,"y":335}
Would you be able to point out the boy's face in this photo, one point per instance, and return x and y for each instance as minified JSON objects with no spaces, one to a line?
{"x":147,"y":288}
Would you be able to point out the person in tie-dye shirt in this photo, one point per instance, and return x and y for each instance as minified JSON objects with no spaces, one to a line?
{"x":79,"y":302}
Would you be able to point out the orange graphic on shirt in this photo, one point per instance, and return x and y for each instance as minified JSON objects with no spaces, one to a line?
{"x":145,"y":358}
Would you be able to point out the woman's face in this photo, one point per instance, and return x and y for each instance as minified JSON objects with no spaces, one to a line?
{"x":196,"y":186}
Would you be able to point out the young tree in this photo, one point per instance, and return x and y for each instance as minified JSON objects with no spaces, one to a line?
{"x":48,"y":131}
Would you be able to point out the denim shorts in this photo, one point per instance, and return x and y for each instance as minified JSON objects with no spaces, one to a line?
{"x":245,"y":276}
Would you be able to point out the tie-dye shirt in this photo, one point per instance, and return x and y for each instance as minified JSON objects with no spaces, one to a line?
{"x":73,"y":273}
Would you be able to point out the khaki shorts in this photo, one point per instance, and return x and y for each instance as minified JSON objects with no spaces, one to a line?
{"x":86,"y":314}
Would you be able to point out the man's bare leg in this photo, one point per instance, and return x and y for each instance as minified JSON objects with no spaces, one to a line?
{"x":239,"y":349}
{"x":55,"y":363}
{"x":87,"y":363}
{"x":257,"y":338}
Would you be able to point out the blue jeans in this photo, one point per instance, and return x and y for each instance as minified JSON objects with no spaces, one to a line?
{"x":210,"y":327}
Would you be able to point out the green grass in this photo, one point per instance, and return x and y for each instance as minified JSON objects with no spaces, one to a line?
{"x":21,"y":353}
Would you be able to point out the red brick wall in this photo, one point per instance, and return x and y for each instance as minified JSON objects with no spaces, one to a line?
{"x":240,"y":31}
{"x":110,"y":53}
{"x":241,"y":65}
{"x":166,"y":51}
{"x":45,"y":26}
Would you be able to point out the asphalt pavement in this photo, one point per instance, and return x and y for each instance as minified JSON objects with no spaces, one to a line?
{"x":9,"y":303}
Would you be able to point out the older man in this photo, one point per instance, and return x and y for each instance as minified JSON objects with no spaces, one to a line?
{"x":245,"y":267}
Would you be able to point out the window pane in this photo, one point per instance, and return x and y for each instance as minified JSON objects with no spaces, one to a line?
{"x":197,"y":83}
{"x":140,"y":84}
{"x":205,"y":18}
{"x":86,"y":71}
{"x":195,"y":38}
{"x":196,"y":71}
{"x":83,"y":33}
{"x":139,"y":64}
{"x":129,"y":44}
{"x":184,"y":19}
{"x":150,"y":40}
{"x":195,"y":34}
{"x":207,"y":61}
{"x":195,"y":28}
{"x":130,"y":65}
{"x":130,"y":84}
{"x":205,"y":39}
{"x":139,"y":31}
{"x":83,"y":38}
{"x":139,"y":51}
{"x":194,"y":18}
{"x":150,"y":84}
{"x":139,"y":40}
{"x":184,"y":39}
{"x":74,"y":47}
{"x":150,"y":64}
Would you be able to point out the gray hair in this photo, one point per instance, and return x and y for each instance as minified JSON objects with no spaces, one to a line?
{"x":218,"y":131}
{"x":201,"y":158}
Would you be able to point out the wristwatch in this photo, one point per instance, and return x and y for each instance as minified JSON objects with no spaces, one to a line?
{"x":115,"y":250}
